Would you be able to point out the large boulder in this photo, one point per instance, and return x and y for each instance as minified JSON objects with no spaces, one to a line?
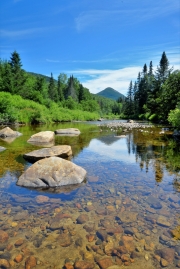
{"x":42,"y":137}
{"x":68,"y":131}
{"x":52,"y":172}
{"x":8,"y":132}
{"x":63,"y":151}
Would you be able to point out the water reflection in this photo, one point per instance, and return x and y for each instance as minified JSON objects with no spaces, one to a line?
{"x":126,"y":214}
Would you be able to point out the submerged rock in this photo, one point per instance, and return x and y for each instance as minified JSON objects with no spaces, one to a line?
{"x":63,"y":151}
{"x":42,"y":137}
{"x":8,"y":132}
{"x":128,"y":216}
{"x":52,"y":172}
{"x":68,"y":131}
{"x":3,"y":236}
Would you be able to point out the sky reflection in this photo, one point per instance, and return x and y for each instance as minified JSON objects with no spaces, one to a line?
{"x":115,"y":151}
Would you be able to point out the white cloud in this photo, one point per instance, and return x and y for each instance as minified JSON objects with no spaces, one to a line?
{"x":97,"y":80}
{"x":126,"y":16}
{"x":19,"y":33}
{"x":83,"y":61}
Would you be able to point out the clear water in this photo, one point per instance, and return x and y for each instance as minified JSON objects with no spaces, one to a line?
{"x":129,"y":203}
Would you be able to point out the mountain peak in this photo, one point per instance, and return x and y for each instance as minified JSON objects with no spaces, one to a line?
{"x":111,"y":93}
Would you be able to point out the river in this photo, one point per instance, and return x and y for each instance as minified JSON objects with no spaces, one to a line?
{"x":126,"y":213}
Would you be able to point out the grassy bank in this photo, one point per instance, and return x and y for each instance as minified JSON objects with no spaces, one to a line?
{"x":13,"y":108}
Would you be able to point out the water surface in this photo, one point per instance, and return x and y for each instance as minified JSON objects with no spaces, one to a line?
{"x":126,"y":213}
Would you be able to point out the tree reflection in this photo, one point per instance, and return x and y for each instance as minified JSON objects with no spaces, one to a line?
{"x":150,"y":148}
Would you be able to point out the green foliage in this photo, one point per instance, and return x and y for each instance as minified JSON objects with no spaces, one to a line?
{"x":174,"y":117}
{"x":68,"y":94}
{"x":52,"y":89}
{"x":170,"y":94}
{"x":13,"y":108}
{"x":153,"y":117}
{"x":90,"y":105}
{"x":70,"y":103}
{"x":153,"y":95}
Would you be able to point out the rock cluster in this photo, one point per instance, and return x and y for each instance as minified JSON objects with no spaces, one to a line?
{"x":126,"y":126}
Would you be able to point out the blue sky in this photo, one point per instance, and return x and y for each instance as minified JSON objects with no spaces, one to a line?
{"x":102,"y":43}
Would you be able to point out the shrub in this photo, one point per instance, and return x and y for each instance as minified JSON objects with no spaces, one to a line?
{"x":174,"y":118}
{"x":153,"y":117}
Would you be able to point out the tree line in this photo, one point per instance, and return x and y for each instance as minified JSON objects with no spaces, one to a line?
{"x":66,"y":92}
{"x":155,"y":95}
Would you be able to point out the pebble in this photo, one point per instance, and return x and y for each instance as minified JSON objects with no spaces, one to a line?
{"x":3,"y":236}
{"x":4,"y":264}
{"x":82,"y":219}
{"x":84,"y":265}
{"x":146,"y":257}
{"x":164,"y":263}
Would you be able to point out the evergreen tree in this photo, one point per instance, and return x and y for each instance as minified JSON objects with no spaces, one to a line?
{"x":60,"y":89}
{"x":6,"y":83}
{"x":52,"y":90}
{"x":70,"y":91}
{"x":150,"y":73}
{"x":170,"y":96}
{"x":18,"y":75}
{"x":81,"y":93}
{"x":145,"y":69}
{"x":163,"y":70}
{"x":129,"y":100}
{"x":135,"y":96}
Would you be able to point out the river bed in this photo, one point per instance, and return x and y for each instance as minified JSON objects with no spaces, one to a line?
{"x":126,"y":213}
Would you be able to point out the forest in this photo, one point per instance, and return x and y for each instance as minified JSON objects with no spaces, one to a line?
{"x":155,"y":95}
{"x":33,"y":98}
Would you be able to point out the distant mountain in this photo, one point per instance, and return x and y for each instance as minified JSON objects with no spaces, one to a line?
{"x":110,"y":93}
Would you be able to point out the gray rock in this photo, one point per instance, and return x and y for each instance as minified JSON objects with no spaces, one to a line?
{"x":176,"y":133}
{"x":68,"y":131}
{"x":102,"y":234}
{"x":63,"y":151}
{"x":2,"y":149}
{"x":154,"y":202}
{"x":52,"y":172}
{"x":177,"y":249}
{"x":128,"y":230}
{"x":42,"y":137}
{"x":163,"y":221}
{"x":8,"y":132}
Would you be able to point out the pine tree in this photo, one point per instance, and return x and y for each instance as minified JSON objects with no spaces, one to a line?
{"x":163,"y":70}
{"x":6,"y":84}
{"x":60,"y":89}
{"x":144,"y":69}
{"x":81,"y":93}
{"x":18,"y":75}
{"x":52,"y":90}
{"x":150,"y":73}
{"x":70,"y":91}
{"x":135,"y":103}
{"x":129,"y":100}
